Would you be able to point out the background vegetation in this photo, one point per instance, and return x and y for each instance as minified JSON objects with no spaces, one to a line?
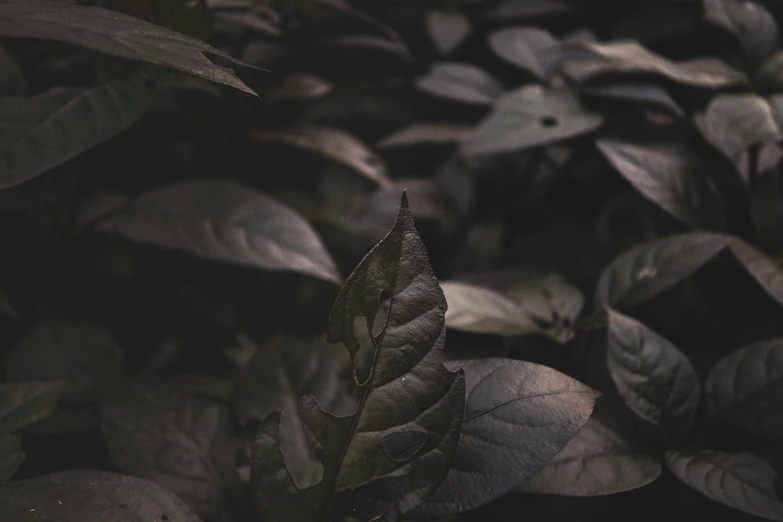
{"x":185,"y":186}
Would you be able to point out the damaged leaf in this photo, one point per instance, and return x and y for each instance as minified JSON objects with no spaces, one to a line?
{"x":366,"y":469}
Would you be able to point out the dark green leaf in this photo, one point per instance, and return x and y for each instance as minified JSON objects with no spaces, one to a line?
{"x":596,"y":462}
{"x":334,"y":144}
{"x":24,"y":403}
{"x":44,"y":131}
{"x":285,"y":369}
{"x":461,"y":82}
{"x":447,"y":29}
{"x":753,"y":26}
{"x":91,"y":496}
{"x":530,"y":48}
{"x":518,"y":416}
{"x":419,"y":133}
{"x":628,"y":57}
{"x":668,"y":175}
{"x":739,"y":480}
{"x":225,"y":221}
{"x":523,"y":303}
{"x":746,"y":388}
{"x":85,"y":356}
{"x":408,"y":390}
{"x":115,"y":34}
{"x":654,"y":378}
{"x":530,"y":117}
{"x":770,"y":74}
{"x":156,"y":432}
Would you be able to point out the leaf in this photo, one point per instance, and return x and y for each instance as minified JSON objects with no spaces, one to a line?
{"x":11,"y":455}
{"x":188,"y":17}
{"x":333,"y":144}
{"x":739,"y":480}
{"x":635,"y":92}
{"x":524,"y":303}
{"x":409,"y":390}
{"x":734,"y":122}
{"x":518,"y":416}
{"x":753,"y":26}
{"x":666,"y":174}
{"x":44,"y":131}
{"x":419,"y":133}
{"x":24,"y":403}
{"x":746,"y":388}
{"x":277,"y":376}
{"x":654,"y":378}
{"x":224,"y":221}
{"x":351,"y":42}
{"x":770,"y":73}
{"x":510,"y":9}
{"x":460,"y":82}
{"x":301,"y":87}
{"x":529,"y":48}
{"x":156,"y":432}
{"x":85,"y":356}
{"x":649,"y":269}
{"x":87,"y":496}
{"x":115,"y":34}
{"x":628,"y":57}
{"x":447,"y":29}
{"x":596,"y":462}
{"x":529,"y":117}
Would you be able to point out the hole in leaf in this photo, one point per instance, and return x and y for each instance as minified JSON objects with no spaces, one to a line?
{"x":366,"y":353}
{"x":403,"y":445}
{"x":384,"y":299}
{"x":164,"y":517}
{"x":309,"y":475}
{"x":548,"y":122}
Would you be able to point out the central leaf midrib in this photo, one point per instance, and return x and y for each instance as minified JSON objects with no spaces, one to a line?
{"x":360,"y":409}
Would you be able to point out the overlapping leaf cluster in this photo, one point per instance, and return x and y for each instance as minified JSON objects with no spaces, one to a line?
{"x":185,"y":184}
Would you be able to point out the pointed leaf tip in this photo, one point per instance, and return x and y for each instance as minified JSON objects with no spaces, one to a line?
{"x":404,"y":199}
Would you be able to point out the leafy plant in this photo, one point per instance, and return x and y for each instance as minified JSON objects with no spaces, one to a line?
{"x":575,"y":311}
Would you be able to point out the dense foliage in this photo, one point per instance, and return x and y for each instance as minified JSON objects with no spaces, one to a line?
{"x":321,"y":260}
